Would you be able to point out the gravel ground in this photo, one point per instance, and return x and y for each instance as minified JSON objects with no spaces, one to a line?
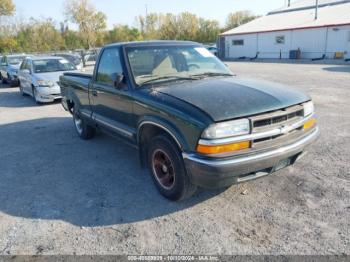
{"x":62,"y":195}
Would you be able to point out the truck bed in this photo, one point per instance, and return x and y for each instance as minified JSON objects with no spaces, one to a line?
{"x":75,"y":86}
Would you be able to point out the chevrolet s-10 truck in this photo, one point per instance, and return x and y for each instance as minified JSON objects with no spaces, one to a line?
{"x":193,"y":122}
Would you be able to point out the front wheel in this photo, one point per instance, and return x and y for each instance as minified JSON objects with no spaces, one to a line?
{"x":3,"y":80}
{"x":13,"y":83}
{"x":168,"y":170}
{"x":36,"y":96}
{"x":83,"y":129}
{"x":21,"y":90}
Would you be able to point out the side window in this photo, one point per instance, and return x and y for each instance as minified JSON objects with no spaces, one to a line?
{"x":109,"y":66}
{"x":29,"y":65}
{"x":238,"y":42}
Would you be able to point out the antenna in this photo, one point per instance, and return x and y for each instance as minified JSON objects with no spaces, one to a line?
{"x":316,"y":10}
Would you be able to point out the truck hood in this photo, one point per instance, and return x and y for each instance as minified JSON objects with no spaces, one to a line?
{"x":233,"y":97}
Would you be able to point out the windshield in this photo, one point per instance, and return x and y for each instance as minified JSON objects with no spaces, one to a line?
{"x":52,"y":65}
{"x":15,"y":60}
{"x":74,"y":59}
{"x":156,"y":64}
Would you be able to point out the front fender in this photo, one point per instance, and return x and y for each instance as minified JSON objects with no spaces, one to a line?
{"x":167,"y":126}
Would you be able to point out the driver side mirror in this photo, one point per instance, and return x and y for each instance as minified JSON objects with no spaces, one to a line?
{"x":118,"y":80}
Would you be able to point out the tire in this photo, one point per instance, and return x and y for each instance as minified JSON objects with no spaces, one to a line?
{"x":13,"y":83}
{"x":167,"y":169}
{"x":83,"y":129}
{"x":3,"y":80}
{"x":21,"y":89}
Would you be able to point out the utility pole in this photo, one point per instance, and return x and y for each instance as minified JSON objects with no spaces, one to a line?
{"x":288,"y":3}
{"x":316,"y":10}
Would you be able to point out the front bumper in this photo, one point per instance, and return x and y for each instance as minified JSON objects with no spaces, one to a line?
{"x":214,"y":173}
{"x":48,"y":94}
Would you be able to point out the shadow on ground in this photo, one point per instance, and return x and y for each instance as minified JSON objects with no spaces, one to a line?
{"x":14,"y":99}
{"x":340,"y":69}
{"x":47,"y":172}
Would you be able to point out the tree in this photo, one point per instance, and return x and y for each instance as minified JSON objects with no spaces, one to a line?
{"x":7,"y":8}
{"x":149,"y":26}
{"x":184,"y":26}
{"x":90,"y":21}
{"x":188,"y":26}
{"x":40,"y":36}
{"x":169,"y":28}
{"x":238,"y":18}
{"x":8,"y":45}
{"x":72,"y":40}
{"x":208,"y":31}
{"x":122,"y":33}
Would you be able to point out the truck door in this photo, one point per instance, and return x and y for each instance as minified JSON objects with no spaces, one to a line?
{"x":111,"y":106}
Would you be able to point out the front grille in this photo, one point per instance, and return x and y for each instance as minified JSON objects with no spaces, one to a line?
{"x":274,"y":120}
{"x":278,"y":117}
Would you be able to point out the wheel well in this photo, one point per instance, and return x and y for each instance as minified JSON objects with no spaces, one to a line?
{"x":70,"y":105}
{"x":146,"y":133}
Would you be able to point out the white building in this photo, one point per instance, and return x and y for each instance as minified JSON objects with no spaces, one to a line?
{"x":292,"y":28}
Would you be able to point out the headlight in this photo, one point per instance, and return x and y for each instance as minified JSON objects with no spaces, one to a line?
{"x":227,"y":129}
{"x":308,"y":108}
{"x":45,"y":83}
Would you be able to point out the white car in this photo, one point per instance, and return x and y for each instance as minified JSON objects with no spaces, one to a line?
{"x":39,"y":76}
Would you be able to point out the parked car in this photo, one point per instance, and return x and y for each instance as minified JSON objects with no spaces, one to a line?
{"x":39,"y":76}
{"x":9,"y":69}
{"x":73,"y":58}
{"x":213,"y":50}
{"x":90,"y":57}
{"x":193,"y":122}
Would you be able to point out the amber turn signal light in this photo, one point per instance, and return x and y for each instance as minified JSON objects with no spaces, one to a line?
{"x":310,"y":123}
{"x":204,"y":149}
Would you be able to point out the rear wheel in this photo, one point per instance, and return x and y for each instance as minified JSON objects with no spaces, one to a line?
{"x":168,"y":170}
{"x":83,"y":129}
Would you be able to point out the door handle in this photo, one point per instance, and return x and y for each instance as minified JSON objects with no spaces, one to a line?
{"x":94,"y":92}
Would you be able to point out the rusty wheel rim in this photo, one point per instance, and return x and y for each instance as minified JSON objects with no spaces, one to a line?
{"x":163,"y":169}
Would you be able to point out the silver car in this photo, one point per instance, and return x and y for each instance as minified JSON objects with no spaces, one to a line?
{"x":9,"y":68}
{"x":39,"y":76}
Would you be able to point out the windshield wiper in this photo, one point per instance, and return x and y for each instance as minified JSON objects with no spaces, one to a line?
{"x":205,"y":74}
{"x":169,"y":77}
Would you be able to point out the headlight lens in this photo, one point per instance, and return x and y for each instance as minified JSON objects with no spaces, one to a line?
{"x":227,"y":129}
{"x":309,"y":108}
{"x":45,"y":83}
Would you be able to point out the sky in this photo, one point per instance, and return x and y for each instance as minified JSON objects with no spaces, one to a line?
{"x":125,"y":11}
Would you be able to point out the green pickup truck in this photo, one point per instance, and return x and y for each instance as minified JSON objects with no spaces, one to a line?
{"x":193,"y":122}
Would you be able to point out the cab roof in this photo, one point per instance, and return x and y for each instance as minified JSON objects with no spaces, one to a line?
{"x":154,"y":43}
